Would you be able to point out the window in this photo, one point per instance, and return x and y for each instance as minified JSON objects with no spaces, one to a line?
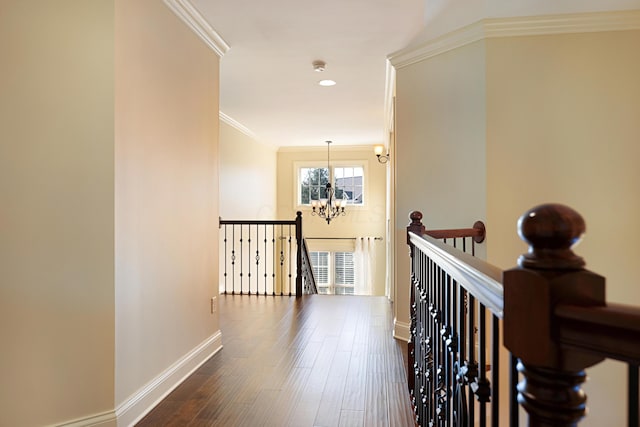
{"x":349,"y":180}
{"x":346,"y":180}
{"x":312,"y":184}
{"x":334,"y":272}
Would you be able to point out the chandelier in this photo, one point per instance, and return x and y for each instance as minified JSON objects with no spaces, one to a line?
{"x":330,"y":206}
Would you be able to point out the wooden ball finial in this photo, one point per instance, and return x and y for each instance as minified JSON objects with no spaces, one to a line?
{"x":415,"y":217}
{"x":551,"y":230}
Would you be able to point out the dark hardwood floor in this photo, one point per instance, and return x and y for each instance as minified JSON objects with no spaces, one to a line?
{"x":320,"y":360}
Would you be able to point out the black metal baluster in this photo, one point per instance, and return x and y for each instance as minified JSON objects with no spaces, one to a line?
{"x":266,"y":263}
{"x":225,"y":259}
{"x":290,"y":266}
{"x":241,"y":262}
{"x":249,"y":258}
{"x":273,"y":271}
{"x":281,"y":237}
{"x":257,"y":259}
{"x":634,"y":398}
{"x":514,"y":408}
{"x":233,"y":259}
{"x":472,"y":366}
{"x":482,"y":366}
{"x":495,"y":372}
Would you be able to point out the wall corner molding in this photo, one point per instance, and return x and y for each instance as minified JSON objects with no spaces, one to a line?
{"x":515,"y":27}
{"x":198,"y":24}
{"x":237,"y":125}
{"x":144,"y":400}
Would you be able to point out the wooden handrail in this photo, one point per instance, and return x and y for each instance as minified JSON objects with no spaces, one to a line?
{"x":480,"y":278}
{"x":478,"y":232}
{"x":610,"y":331}
{"x":555,"y":316}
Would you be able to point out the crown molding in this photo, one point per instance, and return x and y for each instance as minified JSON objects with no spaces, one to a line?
{"x":198,"y":24}
{"x":237,"y":125}
{"x":515,"y":27}
{"x":563,"y":24}
{"x":453,"y":40}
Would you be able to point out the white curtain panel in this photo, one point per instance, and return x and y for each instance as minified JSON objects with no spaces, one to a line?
{"x":364,"y":265}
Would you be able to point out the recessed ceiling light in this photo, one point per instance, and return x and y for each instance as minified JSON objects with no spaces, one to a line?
{"x":326,"y":82}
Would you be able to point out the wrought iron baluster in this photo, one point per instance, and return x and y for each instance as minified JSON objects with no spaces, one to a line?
{"x":266,"y":264}
{"x":241,"y":261}
{"x":273,"y":271}
{"x":248,"y":258}
{"x":290,"y":267}
{"x":233,"y":259}
{"x":281,"y":259}
{"x":633,"y":396}
{"x":495,"y":371}
{"x":514,"y":416}
{"x":225,"y":259}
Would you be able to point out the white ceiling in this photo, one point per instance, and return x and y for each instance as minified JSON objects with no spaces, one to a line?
{"x":267,"y":81}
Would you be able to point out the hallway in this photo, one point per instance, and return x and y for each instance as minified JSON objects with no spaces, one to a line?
{"x":314,"y":361}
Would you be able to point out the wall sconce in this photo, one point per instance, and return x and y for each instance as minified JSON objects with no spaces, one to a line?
{"x":382,"y":158}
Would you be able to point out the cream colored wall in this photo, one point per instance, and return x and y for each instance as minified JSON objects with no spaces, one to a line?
{"x":443,"y":16}
{"x":56,"y":214}
{"x":440,"y":151}
{"x":247,"y":176}
{"x":563,"y":121}
{"x":166,"y":185}
{"x":368,"y":220}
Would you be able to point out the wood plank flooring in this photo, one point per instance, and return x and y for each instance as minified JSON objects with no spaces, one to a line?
{"x":320,"y":360}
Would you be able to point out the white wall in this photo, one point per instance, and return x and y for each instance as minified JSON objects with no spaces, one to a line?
{"x":440,"y":151}
{"x":56,"y":214}
{"x":368,"y":220}
{"x":166,"y":192}
{"x":558,"y":123}
{"x":563,"y":121}
{"x":247,"y":176}
{"x":443,"y":16}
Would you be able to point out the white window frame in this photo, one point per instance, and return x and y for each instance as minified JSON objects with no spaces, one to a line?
{"x":364,"y":164}
{"x":331,"y":285}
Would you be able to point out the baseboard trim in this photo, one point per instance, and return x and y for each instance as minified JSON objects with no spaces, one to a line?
{"x":401,"y":330}
{"x":105,"y":419}
{"x":141,"y":403}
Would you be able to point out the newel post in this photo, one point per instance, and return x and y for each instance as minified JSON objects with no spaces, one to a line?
{"x":416,"y":227}
{"x":549,"y":274}
{"x":299,"y":254}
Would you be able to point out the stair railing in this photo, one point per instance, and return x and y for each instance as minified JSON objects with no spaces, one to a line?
{"x":556,"y":323}
{"x":263,"y":257}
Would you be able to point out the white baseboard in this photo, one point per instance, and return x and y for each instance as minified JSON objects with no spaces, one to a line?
{"x":141,"y":403}
{"x":401,"y":330}
{"x":106,"y":419}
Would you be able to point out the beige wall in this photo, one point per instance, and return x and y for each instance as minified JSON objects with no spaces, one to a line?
{"x":368,"y":220}
{"x":563,"y":121}
{"x":440,"y":151}
{"x":556,"y":120}
{"x":56,"y":214}
{"x":166,"y":192}
{"x":247,"y":176}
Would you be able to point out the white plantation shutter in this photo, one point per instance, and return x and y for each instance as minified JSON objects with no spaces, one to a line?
{"x":344,"y":271}
{"x":320,"y":265}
